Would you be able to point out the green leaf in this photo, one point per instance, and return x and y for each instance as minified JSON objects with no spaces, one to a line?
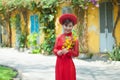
{"x":115,"y":54}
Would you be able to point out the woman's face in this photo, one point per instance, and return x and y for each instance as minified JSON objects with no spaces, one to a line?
{"x":68,"y":28}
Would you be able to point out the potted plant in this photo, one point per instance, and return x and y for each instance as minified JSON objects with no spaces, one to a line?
{"x":115,"y":54}
{"x":21,"y":40}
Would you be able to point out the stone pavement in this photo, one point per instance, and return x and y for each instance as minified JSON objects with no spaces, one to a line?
{"x":40,"y":67}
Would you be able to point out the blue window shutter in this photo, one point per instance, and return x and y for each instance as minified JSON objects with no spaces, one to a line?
{"x":32,"y":24}
{"x":36,"y":24}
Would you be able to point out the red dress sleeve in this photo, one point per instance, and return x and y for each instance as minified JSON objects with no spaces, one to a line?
{"x":75,"y":51}
{"x":55,"y":49}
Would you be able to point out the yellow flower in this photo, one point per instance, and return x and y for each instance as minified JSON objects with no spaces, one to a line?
{"x":63,"y":47}
{"x":69,"y":42}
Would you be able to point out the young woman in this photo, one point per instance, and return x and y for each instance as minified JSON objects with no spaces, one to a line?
{"x":65,"y":48}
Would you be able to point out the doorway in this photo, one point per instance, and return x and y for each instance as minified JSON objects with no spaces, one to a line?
{"x":106,"y":27}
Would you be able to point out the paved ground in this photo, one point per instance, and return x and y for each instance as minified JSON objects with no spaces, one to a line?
{"x":39,"y":67}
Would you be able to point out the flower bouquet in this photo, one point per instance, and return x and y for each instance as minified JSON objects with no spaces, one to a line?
{"x":69,"y":42}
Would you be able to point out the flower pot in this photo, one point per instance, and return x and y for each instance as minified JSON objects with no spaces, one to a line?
{"x":21,"y":49}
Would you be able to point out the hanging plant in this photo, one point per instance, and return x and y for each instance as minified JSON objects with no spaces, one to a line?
{"x":84,"y":4}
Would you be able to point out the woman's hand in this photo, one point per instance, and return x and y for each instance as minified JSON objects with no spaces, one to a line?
{"x":59,"y":52}
{"x":64,"y":51}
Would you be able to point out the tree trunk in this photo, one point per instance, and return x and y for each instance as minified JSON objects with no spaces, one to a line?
{"x":10,"y":34}
{"x":24,"y":13}
{"x":82,"y":29}
{"x":7,"y":24}
{"x":10,"y":30}
{"x":118,"y":17}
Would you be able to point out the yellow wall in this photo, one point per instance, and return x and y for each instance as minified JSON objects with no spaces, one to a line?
{"x":117,"y":30}
{"x":13,"y":27}
{"x":23,"y":25}
{"x":13,"y":37}
{"x":93,"y":30}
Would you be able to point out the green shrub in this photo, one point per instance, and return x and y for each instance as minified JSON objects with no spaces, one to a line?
{"x":7,"y":73}
{"x":21,"y":39}
{"x":115,"y":54}
{"x":48,"y":43}
{"x":32,"y":42}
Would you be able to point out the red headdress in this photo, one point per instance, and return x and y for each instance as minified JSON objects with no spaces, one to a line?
{"x":71,"y":17}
